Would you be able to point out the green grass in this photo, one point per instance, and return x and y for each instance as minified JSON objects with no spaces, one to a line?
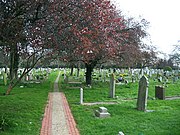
{"x":165,"y":120}
{"x":21,"y":112}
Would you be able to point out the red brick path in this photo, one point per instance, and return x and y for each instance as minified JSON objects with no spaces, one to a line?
{"x":70,"y":120}
{"x":47,"y":120}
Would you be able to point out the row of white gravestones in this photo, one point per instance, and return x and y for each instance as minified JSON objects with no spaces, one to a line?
{"x":34,"y":74}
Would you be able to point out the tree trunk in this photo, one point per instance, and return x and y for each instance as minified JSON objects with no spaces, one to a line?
{"x":10,"y":87}
{"x":72,"y":70}
{"x":14,"y":82}
{"x":89,"y":69}
{"x":78,"y":69}
{"x":14,"y":61}
{"x":14,"y":68}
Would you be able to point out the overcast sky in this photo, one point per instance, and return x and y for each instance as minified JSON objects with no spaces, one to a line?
{"x":164,"y":18}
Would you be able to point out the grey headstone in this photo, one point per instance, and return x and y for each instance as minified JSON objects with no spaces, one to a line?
{"x":160,"y":92}
{"x":112,"y":86}
{"x":142,"y":93}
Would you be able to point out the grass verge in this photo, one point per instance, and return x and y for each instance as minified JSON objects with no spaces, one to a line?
{"x":21,"y":112}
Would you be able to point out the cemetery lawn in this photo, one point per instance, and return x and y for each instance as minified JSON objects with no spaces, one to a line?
{"x":21,"y":112}
{"x":165,"y":120}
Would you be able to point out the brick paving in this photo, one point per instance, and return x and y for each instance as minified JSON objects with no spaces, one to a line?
{"x":70,"y":120}
{"x":58,"y":119}
{"x":47,"y":120}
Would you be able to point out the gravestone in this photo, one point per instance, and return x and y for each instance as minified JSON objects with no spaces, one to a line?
{"x":65,"y":78}
{"x":64,"y":74}
{"x":81,"y":95}
{"x":160,"y":92}
{"x":142,"y":93}
{"x":30,"y":76}
{"x":160,"y":79}
{"x":141,"y":73}
{"x":102,"y":112}
{"x":27,"y":77}
{"x":5,"y":78}
{"x":112,"y":86}
{"x":133,"y":78}
{"x":175,"y":79}
{"x":103,"y":76}
{"x":165,"y":80}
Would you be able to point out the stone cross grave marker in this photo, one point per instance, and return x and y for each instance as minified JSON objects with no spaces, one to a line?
{"x":142,"y":93}
{"x":112,"y":86}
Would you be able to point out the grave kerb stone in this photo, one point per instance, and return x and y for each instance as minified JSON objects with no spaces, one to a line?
{"x":102,"y":112}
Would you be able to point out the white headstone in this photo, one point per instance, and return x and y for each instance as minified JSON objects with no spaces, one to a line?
{"x":81,"y":95}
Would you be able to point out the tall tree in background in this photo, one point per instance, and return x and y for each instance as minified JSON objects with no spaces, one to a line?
{"x":175,"y":56}
{"x":93,"y":32}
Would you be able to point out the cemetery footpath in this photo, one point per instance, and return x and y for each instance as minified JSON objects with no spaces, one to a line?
{"x":58,"y":119}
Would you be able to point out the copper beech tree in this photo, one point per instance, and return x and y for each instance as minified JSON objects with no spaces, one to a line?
{"x":93,"y":31}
